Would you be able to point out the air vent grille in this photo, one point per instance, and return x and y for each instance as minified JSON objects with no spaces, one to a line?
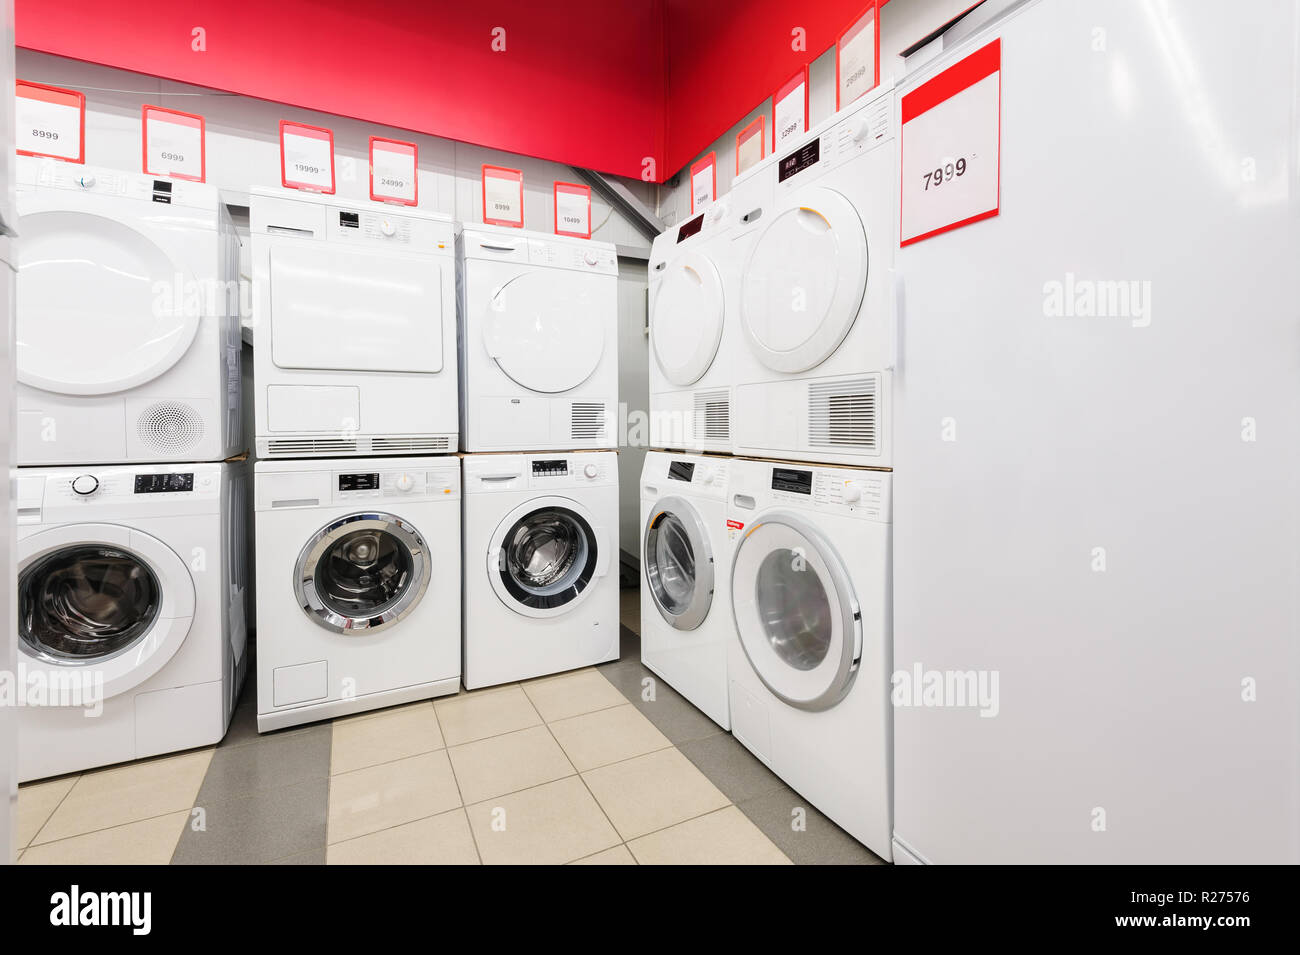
{"x":844,"y":414}
{"x":170,"y":427}
{"x":311,"y":446}
{"x":712,"y":416}
{"x":411,"y":445}
{"x":587,"y":421}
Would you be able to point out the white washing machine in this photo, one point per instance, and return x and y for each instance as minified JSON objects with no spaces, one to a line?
{"x":130,"y":612}
{"x":694,"y":321}
{"x":358,"y":585}
{"x":686,"y":621}
{"x":810,"y":667}
{"x":128,"y":318}
{"x":541,"y":564}
{"x":354,"y":309}
{"x":538,"y":341}
{"x":816,"y":297}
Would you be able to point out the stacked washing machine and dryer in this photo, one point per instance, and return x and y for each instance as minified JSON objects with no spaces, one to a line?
{"x":130,"y":513}
{"x":767,"y":514}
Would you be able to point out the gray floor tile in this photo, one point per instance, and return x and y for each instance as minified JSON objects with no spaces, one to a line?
{"x":669,"y":711}
{"x":731,"y":767}
{"x":821,"y":843}
{"x":270,"y":763}
{"x":311,"y":857}
{"x":259,"y":827}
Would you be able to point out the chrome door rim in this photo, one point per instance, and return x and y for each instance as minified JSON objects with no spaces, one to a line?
{"x":304,"y":574}
{"x":702,"y":599}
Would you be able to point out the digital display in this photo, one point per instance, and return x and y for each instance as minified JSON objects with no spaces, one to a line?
{"x":796,"y":482}
{"x":681,"y":470}
{"x":557,"y":467}
{"x":359,"y":482}
{"x":160,"y":483}
{"x":162,"y":191}
{"x":806,"y":155}
{"x":691,"y":228}
{"x":350,"y":220}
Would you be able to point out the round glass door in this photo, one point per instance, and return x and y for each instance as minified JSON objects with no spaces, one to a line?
{"x":678,"y":563}
{"x":545,"y":559}
{"x":796,"y":615}
{"x":686,"y":326}
{"x":101,"y":307}
{"x":546,"y":328}
{"x":803,"y":281}
{"x":362,"y":573}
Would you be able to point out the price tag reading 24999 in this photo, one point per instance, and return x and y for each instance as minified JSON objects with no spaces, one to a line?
{"x":306,"y":157}
{"x":394,"y":171}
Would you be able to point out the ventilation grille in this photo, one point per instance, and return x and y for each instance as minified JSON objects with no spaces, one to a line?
{"x":587,"y":421}
{"x":170,"y":427}
{"x":843,"y":414}
{"x":412,"y":445}
{"x":712,"y":416}
{"x":311,"y":446}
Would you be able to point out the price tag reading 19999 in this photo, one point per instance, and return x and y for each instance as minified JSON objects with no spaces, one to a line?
{"x":173,"y":144}
{"x":49,"y":121}
{"x":394,"y":173}
{"x":306,"y":157}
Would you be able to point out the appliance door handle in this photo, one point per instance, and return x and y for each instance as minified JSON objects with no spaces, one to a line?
{"x":499,"y":476}
{"x":493,"y":560}
{"x":497,"y":248}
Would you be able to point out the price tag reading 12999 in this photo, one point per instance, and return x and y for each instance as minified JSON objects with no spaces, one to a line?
{"x":306,"y":157}
{"x":49,"y":121}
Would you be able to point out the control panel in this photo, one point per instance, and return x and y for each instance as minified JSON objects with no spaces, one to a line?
{"x":864,"y":129}
{"x":395,"y":484}
{"x":371,"y":227}
{"x":126,"y":486}
{"x":52,"y":174}
{"x":850,"y":492}
{"x":573,"y":255}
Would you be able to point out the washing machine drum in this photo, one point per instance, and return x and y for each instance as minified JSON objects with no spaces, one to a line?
{"x":546,"y":559}
{"x":678,"y":563}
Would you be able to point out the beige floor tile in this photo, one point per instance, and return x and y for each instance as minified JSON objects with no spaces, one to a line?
{"x":546,"y":825}
{"x":653,"y":792}
{"x":629,"y":608}
{"x":390,"y":794}
{"x":123,"y":794}
{"x":559,"y":697}
{"x":396,"y":734}
{"x":438,"y":840}
{"x":387,"y":711}
{"x":725,"y":837}
{"x":473,"y":716}
{"x":504,"y":764}
{"x":147,"y":842}
{"x":36,"y":803}
{"x":615,"y":856}
{"x":607,"y":736}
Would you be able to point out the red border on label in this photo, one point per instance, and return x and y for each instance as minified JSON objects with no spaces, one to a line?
{"x":783,"y":91}
{"x":310,"y":132}
{"x":56,"y":94}
{"x":962,"y":75}
{"x":709,"y":160}
{"x":414,"y":152}
{"x":748,"y":133}
{"x":874,"y":9}
{"x":188,"y":119}
{"x":510,"y":174}
{"x":576,"y":190}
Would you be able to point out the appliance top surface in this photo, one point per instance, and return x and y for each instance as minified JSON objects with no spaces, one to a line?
{"x":347,"y":202}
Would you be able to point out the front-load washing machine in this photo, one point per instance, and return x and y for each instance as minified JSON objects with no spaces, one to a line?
{"x":816,"y":297}
{"x":128,"y":318}
{"x":358,"y":585}
{"x":131,"y":630}
{"x":541,"y":564}
{"x":538,"y":341}
{"x":686,"y":622}
{"x":694,"y":325}
{"x":354,"y":309}
{"x":810,"y":666}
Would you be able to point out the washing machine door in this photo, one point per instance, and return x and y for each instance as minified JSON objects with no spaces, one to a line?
{"x":678,"y":563}
{"x":362,"y":573}
{"x":546,"y":328}
{"x":686,"y":324}
{"x":797,"y":616}
{"x":101,"y":306}
{"x":803,"y":280}
{"x":100,"y":602}
{"x":546,"y":556}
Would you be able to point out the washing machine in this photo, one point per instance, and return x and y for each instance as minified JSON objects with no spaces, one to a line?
{"x":686,"y":622}
{"x":358,"y":585}
{"x":131,"y":632}
{"x":538,"y":341}
{"x":128,"y":318}
{"x":541,"y":564}
{"x":816,"y":298}
{"x":694,"y":321}
{"x":354,"y":340}
{"x":809,"y":669}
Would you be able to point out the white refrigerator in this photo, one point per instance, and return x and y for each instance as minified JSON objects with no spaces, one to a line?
{"x":8,"y":612}
{"x":1098,"y":420}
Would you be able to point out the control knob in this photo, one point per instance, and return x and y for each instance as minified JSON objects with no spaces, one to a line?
{"x":852,"y":493}
{"x":85,"y":484}
{"x":404,"y":482}
{"x":590,"y":471}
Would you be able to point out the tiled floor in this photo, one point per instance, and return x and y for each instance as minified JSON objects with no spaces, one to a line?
{"x":584,"y":767}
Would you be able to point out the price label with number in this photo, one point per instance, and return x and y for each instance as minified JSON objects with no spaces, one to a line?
{"x":394,"y":175}
{"x":704,"y":182}
{"x":49,"y":121}
{"x":751,"y":145}
{"x":857,"y":58}
{"x":573,"y":210}
{"x":790,"y":110}
{"x":951,"y":143}
{"x":173,"y":144}
{"x":306,"y":157}
{"x":503,"y":196}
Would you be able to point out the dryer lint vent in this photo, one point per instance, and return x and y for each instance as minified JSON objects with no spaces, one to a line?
{"x":712,"y":416}
{"x":170,"y":426}
{"x":587,"y":421}
{"x":844,"y":414}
